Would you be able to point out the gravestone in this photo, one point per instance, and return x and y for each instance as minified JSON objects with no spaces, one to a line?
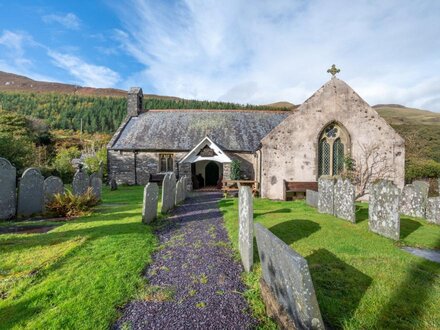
{"x":149,"y":209}
{"x":8,"y":190}
{"x":287,"y":275}
{"x":433,"y":210}
{"x":344,"y":196}
{"x":178,"y":198}
{"x":95,"y":182}
{"x":168,"y":192}
{"x":326,"y":186}
{"x":30,"y":193}
{"x":113,"y":185}
{"x":246,"y":232}
{"x":312,"y":198}
{"x":52,"y":185}
{"x":80,"y":182}
{"x":383,"y":209}
{"x":414,"y":198}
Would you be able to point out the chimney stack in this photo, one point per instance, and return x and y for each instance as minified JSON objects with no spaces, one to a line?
{"x":134,"y":101}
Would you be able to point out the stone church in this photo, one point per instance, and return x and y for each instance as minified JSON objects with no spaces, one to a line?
{"x":273,"y":147}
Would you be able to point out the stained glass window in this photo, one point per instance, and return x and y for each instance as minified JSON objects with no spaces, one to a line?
{"x":331,"y":150}
{"x":166,"y":162}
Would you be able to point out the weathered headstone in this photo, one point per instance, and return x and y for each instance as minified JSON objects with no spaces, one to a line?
{"x":287,"y":275}
{"x":80,"y":182}
{"x":30,"y":193}
{"x":149,"y":209}
{"x":52,"y":185}
{"x":312,"y":198}
{"x":179,"y":191}
{"x":168,"y":192}
{"x":383,"y":209}
{"x":433,"y":210}
{"x":326,"y":187}
{"x":246,"y":232}
{"x":95,"y":183}
{"x":414,"y":198}
{"x":344,"y":197}
{"x":8,"y":190}
{"x":113,"y":185}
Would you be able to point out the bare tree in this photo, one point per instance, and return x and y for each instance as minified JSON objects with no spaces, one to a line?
{"x":371,"y":164}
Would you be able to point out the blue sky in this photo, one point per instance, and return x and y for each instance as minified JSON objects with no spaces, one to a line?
{"x":230,"y":50}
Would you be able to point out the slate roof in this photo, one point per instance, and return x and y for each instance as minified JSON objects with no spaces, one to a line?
{"x":233,"y":130}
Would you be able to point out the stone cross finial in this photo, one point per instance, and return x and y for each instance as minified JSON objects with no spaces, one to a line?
{"x":333,"y":70}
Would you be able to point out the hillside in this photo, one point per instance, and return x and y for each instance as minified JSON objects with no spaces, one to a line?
{"x":400,"y":115}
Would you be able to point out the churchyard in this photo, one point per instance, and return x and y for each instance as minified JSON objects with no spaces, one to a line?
{"x":82,"y":273}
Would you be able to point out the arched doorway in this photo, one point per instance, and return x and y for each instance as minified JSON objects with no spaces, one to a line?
{"x":211,"y":174}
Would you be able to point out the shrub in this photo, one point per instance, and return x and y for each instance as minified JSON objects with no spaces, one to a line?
{"x":93,"y":163}
{"x":69,"y":205}
{"x":235,"y":170}
{"x":63,"y":163}
{"x":421,"y":168}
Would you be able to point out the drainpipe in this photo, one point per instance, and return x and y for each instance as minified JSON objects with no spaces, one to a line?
{"x":135,"y":167}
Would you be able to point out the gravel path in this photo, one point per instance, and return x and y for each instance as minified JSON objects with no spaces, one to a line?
{"x":196,"y":282}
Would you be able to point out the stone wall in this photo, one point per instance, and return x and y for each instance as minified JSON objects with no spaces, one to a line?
{"x":290,"y":151}
{"x":383,"y":209}
{"x":287,"y":275}
{"x":121,"y":166}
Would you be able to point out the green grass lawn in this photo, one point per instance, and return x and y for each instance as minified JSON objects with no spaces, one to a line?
{"x":77,"y":275}
{"x":362,"y":280}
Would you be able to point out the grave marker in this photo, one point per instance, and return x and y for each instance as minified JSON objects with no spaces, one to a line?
{"x":30,"y":193}
{"x":8,"y":190}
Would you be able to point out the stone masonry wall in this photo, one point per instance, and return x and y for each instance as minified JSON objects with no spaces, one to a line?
{"x":290,"y":151}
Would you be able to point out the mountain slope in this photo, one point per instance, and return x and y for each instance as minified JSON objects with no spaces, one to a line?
{"x":400,"y":115}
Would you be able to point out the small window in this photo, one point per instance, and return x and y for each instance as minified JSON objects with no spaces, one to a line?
{"x":332,"y":150}
{"x":166,"y":162}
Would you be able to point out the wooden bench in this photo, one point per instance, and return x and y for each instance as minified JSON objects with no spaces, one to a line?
{"x":157,"y":178}
{"x":297,"y":190}
{"x":231,"y":186}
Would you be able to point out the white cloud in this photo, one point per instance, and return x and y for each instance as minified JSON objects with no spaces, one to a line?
{"x":12,"y":51}
{"x":69,"y":21}
{"x":85,"y":73}
{"x":263,"y":51}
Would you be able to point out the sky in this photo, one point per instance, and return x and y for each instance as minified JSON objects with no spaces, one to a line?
{"x":257,"y":52}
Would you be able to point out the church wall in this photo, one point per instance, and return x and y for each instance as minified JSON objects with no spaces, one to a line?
{"x":289,"y":152}
{"x":121,"y":166}
{"x":248,"y":164}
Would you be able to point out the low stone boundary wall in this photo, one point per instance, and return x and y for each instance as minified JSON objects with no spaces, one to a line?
{"x":312,"y":198}
{"x":383,"y":209}
{"x":287,"y":275}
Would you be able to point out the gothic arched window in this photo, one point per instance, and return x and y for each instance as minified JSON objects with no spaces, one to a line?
{"x":332,"y":148}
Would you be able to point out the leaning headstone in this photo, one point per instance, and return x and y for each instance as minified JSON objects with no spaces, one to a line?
{"x":344,"y":197}
{"x":433,"y":210}
{"x":113,"y":185}
{"x":246,"y":232}
{"x":178,"y":194}
{"x":287,"y":275}
{"x":383,"y":209}
{"x":326,"y":186}
{"x":8,"y":190}
{"x":80,"y":182}
{"x":168,"y":192}
{"x":95,"y":183}
{"x":52,"y":185}
{"x":414,"y":198}
{"x":149,"y":209}
{"x":30,"y":193}
{"x":312,"y":198}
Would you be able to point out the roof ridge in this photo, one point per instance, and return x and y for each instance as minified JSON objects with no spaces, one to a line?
{"x":221,"y":110}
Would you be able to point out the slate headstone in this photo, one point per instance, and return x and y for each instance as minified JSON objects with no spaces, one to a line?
{"x":113,"y":185}
{"x":344,"y":198}
{"x":433,"y":210}
{"x":312,"y":198}
{"x":30,"y":193}
{"x":414,"y":198}
{"x":95,"y":183}
{"x":149,"y":209}
{"x":383,"y":209}
{"x":326,"y":186}
{"x":80,"y":182}
{"x":8,"y":190}
{"x":246,"y":232}
{"x":52,"y":185}
{"x":287,"y":275}
{"x":168,"y":192}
